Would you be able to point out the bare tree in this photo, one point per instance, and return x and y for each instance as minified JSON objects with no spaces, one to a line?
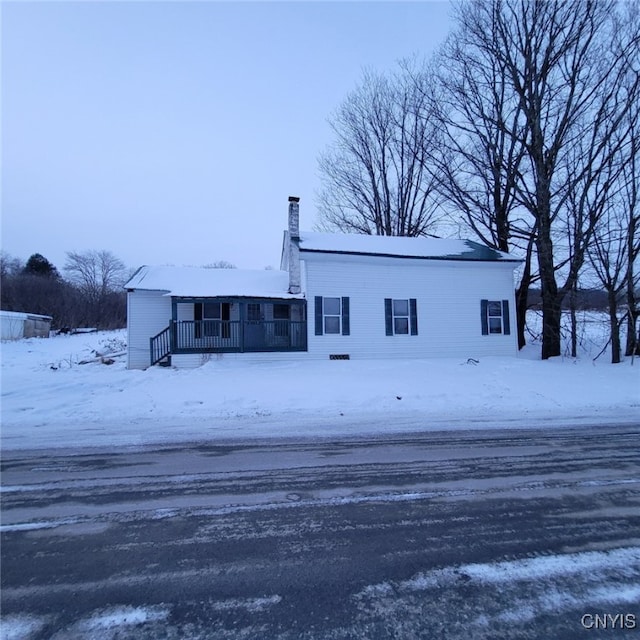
{"x":99,"y":275}
{"x":632,"y":284}
{"x":96,"y":273}
{"x":615,"y":245}
{"x":374,"y":176}
{"x":608,"y":256}
{"x":563,"y":64}
{"x":480,"y":155}
{"x":9,"y":265}
{"x":220,"y":264}
{"x":630,"y":205}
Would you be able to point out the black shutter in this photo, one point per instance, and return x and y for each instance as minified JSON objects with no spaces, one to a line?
{"x":483,"y":316}
{"x":505,"y":318}
{"x":388,"y":317}
{"x":413,"y":315}
{"x":345,"y":317}
{"x":319,"y":315}
{"x":197,"y":316}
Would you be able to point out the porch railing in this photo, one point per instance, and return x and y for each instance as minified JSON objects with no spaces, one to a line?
{"x":212,"y":336}
{"x":160,"y":346}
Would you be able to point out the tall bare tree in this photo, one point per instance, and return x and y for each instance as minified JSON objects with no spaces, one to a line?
{"x":630,"y":179}
{"x":99,"y":275}
{"x":96,"y":273}
{"x":614,"y":246}
{"x":630,"y":207}
{"x":608,"y":257}
{"x":374,"y":176}
{"x":480,"y":155}
{"x":563,"y":64}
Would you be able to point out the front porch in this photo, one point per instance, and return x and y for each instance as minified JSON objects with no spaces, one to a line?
{"x":231,"y":325}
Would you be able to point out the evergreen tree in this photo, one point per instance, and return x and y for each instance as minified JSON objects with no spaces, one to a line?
{"x":38,"y":265}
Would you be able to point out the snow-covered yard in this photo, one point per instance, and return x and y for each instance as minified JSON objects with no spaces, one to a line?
{"x":50,"y":400}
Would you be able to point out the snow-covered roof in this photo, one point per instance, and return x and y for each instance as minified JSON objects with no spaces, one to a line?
{"x":20,"y":315}
{"x":395,"y":246}
{"x":191,"y":282}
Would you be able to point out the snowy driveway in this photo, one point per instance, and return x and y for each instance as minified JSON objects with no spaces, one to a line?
{"x":474,"y":534}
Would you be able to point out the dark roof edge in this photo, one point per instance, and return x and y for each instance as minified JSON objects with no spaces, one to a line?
{"x":395,"y":255}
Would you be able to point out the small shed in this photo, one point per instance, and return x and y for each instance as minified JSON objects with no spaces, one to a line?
{"x":17,"y":325}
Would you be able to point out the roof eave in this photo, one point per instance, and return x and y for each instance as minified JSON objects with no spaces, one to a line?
{"x":395,"y":255}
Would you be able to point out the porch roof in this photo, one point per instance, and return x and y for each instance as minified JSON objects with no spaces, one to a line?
{"x":197,"y":282}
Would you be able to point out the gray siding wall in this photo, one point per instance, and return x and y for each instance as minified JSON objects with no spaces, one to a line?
{"x":148,"y":313}
{"x":448,"y":298}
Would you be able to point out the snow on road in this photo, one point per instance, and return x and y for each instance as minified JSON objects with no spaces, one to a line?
{"x":49,"y":399}
{"x":605,"y":581}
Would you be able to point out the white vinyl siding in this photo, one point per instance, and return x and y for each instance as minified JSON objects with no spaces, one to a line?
{"x":148,"y":313}
{"x":448,"y":295}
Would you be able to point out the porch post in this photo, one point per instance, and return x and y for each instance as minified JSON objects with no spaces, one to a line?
{"x":241,"y":315}
{"x":173,"y":334}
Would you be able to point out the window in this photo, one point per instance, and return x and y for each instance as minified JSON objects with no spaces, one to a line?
{"x":253,"y":312}
{"x":332,"y":316}
{"x":401,"y":317}
{"x":212,"y":319}
{"x":495,"y":317}
{"x":280,"y":311}
{"x":494,"y":312}
{"x":281,"y":320}
{"x":211,"y":311}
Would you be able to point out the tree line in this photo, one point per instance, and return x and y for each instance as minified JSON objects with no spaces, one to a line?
{"x":522,"y":131}
{"x":90,"y":294}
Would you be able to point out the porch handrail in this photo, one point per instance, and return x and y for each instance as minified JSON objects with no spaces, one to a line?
{"x":160,"y":346}
{"x":219,"y":336}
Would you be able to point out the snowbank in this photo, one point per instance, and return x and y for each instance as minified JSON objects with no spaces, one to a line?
{"x":50,"y":400}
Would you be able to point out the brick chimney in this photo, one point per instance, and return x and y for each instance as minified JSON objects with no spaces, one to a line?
{"x":294,"y":251}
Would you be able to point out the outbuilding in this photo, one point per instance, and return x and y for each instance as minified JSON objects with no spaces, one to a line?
{"x":335,"y":296}
{"x":17,"y":325}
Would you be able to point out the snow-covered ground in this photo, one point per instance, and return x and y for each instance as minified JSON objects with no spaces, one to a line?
{"x":49,"y":399}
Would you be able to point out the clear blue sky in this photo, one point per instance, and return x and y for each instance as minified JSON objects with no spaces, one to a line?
{"x":173,"y":132}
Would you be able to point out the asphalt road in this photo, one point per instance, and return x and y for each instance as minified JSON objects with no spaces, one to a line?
{"x":467,"y":534}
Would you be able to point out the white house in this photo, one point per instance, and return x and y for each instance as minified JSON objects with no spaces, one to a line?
{"x":336,"y":296}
